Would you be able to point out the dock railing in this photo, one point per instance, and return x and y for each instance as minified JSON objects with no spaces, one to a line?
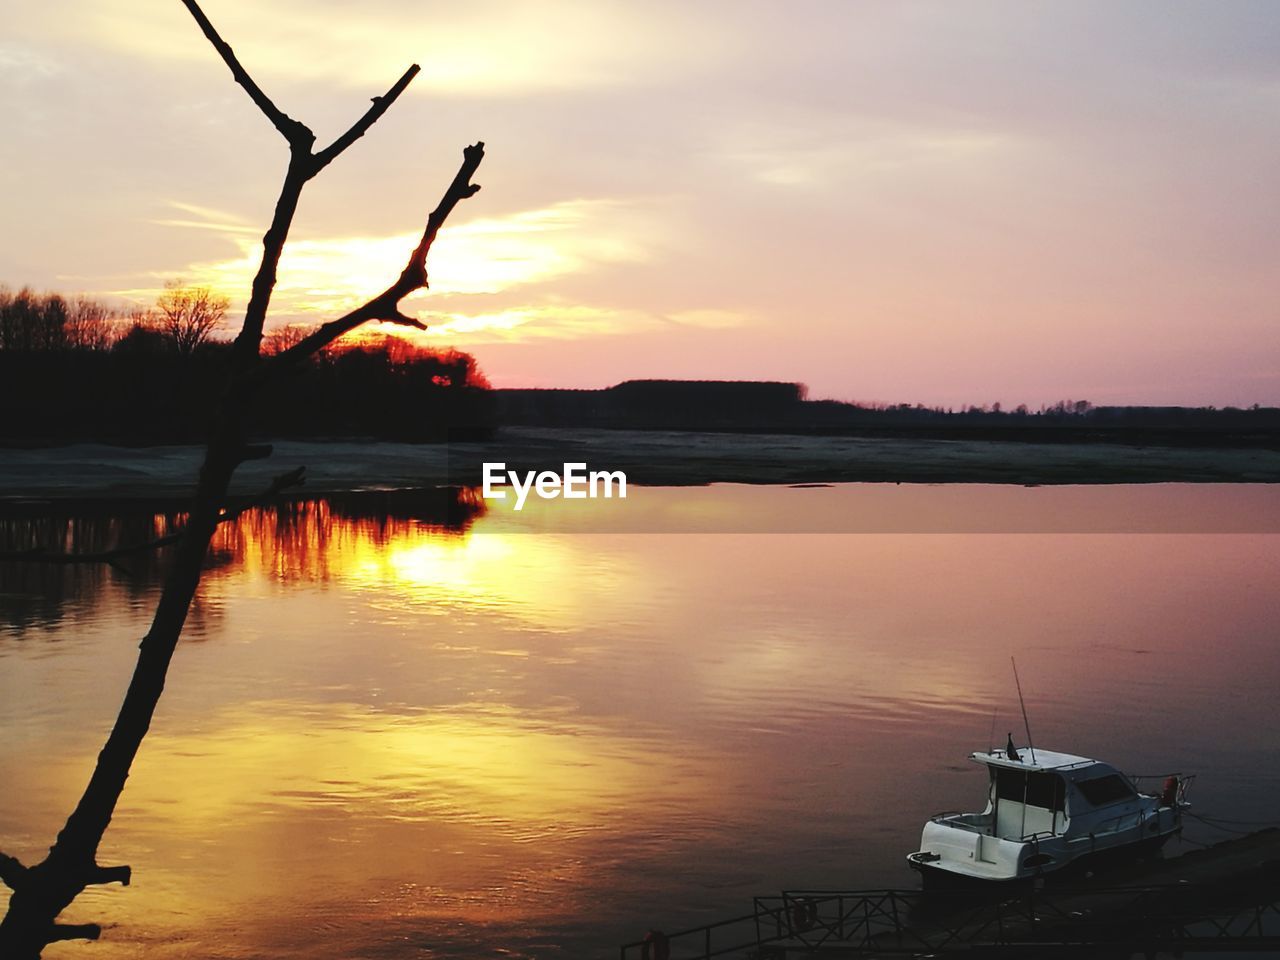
{"x":1185,"y":917}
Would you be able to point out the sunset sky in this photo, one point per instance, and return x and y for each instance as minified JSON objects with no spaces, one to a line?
{"x":947,"y":202}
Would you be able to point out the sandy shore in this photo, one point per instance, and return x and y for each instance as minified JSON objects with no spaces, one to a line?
{"x":650,"y":458}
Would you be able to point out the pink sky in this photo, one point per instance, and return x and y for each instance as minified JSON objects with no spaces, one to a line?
{"x":948,"y":202}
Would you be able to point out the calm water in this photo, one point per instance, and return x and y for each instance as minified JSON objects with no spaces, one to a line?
{"x":387,"y":735}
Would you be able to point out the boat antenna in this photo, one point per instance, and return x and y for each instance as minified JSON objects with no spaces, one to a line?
{"x":1022,"y":703}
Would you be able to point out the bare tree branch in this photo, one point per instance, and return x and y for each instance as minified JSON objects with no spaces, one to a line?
{"x":12,"y":872}
{"x":358,"y":129}
{"x":404,"y":320}
{"x":294,"y":131}
{"x":120,"y":875}
{"x":302,"y":167}
{"x":282,"y":482}
{"x":300,"y":139}
{"x":414,"y":275}
{"x":43,"y":891}
{"x":248,"y":342}
{"x":386,"y":305}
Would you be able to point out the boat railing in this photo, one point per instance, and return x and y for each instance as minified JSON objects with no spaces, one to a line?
{"x":1120,"y":823}
{"x":1184,"y":784}
{"x":1152,"y":784}
{"x":957,"y":818}
{"x":1079,"y":764}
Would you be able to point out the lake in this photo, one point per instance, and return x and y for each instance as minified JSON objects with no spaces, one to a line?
{"x":396,"y":729}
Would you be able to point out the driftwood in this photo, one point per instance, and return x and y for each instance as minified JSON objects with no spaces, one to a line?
{"x":42,"y":891}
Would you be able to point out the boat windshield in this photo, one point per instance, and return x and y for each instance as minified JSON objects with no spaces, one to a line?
{"x":1101,"y":791}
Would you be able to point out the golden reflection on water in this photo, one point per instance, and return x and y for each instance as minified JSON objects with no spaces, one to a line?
{"x":549,"y":775}
{"x":473,"y":815}
{"x":487,"y":570}
{"x":475,"y":812}
{"x":418,"y":563}
{"x":415,"y":732}
{"x":311,"y":540}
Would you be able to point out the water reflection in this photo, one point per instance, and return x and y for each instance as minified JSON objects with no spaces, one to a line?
{"x":35,"y":594}
{"x":293,"y":540}
{"x":411,"y":736}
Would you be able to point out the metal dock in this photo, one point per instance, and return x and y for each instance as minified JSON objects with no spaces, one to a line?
{"x":1223,"y":898}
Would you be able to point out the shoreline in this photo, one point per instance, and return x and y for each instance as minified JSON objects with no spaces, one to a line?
{"x":85,"y":471}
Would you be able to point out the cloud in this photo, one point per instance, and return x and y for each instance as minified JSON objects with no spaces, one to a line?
{"x":524,"y":256}
{"x":567,"y":321}
{"x":710,"y":319}
{"x":329,"y":275}
{"x":540,"y":322}
{"x":479,"y":48}
{"x":22,"y":64}
{"x":826,"y":151}
{"x":205,"y":218}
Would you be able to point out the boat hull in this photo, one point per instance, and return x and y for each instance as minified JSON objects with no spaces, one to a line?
{"x":938,"y":875}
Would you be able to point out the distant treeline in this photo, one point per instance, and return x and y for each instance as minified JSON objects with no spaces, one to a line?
{"x":773,"y":407}
{"x":73,"y":370}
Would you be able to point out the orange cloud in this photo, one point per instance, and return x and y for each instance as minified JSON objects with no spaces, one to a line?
{"x":332,"y":274}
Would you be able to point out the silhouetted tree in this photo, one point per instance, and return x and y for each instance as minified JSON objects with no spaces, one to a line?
{"x":143,"y":339}
{"x":41,"y":892}
{"x":30,"y":322}
{"x":144,"y":390}
{"x":90,"y":325}
{"x":48,"y":322}
{"x":189,"y":314}
{"x":282,"y":338}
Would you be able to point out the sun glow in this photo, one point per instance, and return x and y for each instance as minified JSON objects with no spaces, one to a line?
{"x":399,"y":562}
{"x":323,"y":277}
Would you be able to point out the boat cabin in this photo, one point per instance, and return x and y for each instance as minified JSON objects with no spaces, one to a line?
{"x":1029,"y":797}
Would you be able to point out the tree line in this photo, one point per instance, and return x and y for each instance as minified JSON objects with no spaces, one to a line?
{"x":75,"y":369}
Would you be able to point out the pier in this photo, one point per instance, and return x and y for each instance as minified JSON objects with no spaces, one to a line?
{"x":1224,"y":898}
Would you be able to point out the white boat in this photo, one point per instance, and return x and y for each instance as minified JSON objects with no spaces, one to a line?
{"x":1047,"y":811}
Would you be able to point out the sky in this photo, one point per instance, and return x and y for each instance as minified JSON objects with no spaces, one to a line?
{"x":953,"y":202}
